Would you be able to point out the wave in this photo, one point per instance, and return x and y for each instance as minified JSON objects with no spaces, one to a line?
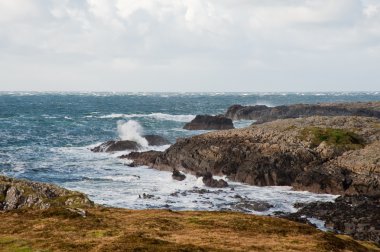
{"x":157,"y":116}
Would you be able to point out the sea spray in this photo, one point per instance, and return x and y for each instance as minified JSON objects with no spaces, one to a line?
{"x":132,"y":131}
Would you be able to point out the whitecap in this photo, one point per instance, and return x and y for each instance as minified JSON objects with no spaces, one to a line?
{"x":157,"y":116}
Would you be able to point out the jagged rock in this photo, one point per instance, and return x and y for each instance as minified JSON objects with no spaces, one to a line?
{"x":208,"y":122}
{"x":177,"y":175}
{"x":284,"y":152}
{"x":262,"y":113}
{"x":209,"y":181}
{"x":111,"y":146}
{"x":358,"y":216}
{"x":17,"y":194}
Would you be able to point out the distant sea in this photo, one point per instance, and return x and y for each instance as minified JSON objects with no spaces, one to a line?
{"x":47,"y":136}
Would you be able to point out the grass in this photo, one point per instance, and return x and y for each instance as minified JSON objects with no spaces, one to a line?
{"x":109,"y":229}
{"x":335,"y":137}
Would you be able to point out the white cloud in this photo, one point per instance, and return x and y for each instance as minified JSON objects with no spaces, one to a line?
{"x":205,"y":44}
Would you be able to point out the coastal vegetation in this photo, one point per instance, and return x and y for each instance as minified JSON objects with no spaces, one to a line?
{"x":111,"y":229}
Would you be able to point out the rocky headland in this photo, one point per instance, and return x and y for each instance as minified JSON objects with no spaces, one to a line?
{"x":338,"y":155}
{"x":322,"y":154}
{"x":262,"y":113}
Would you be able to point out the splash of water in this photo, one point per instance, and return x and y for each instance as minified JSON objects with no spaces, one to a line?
{"x":131,"y":130}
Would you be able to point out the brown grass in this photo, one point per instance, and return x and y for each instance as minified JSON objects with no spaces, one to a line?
{"x":109,"y":229}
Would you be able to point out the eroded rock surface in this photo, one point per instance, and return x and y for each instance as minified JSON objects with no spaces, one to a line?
{"x":17,"y":194}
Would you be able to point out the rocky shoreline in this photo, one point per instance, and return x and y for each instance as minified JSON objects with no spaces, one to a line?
{"x":335,"y":154}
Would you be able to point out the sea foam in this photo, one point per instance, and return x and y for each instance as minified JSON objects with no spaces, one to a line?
{"x":131,"y":130}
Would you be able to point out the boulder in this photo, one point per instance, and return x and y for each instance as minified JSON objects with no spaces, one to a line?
{"x":155,"y":140}
{"x":209,"y":181}
{"x":208,"y":122}
{"x":112,"y":146}
{"x":177,"y":175}
{"x":19,"y":194}
{"x":124,"y":145}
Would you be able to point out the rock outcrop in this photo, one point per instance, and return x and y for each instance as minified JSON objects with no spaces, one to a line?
{"x":155,"y":140}
{"x":358,"y":216}
{"x":123,"y":145}
{"x":112,"y":146}
{"x":262,"y":113}
{"x":19,"y":194}
{"x":177,"y":175}
{"x":338,"y":155}
{"x":209,"y":181}
{"x":208,"y":122}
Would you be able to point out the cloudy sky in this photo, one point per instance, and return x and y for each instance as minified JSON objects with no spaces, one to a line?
{"x":190,"y":45}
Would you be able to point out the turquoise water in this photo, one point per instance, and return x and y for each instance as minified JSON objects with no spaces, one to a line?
{"x":47,"y":136}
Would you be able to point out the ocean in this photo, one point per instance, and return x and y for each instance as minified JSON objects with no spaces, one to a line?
{"x":47,"y":137}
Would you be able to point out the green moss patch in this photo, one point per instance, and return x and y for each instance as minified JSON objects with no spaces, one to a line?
{"x":335,"y":137}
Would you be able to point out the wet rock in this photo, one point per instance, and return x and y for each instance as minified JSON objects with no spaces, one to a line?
{"x":112,"y":146}
{"x":247,"y":205}
{"x":209,"y":181}
{"x":146,"y":196}
{"x":142,"y":158}
{"x":155,"y":140}
{"x":262,"y":113}
{"x":199,"y":191}
{"x":18,"y":194}
{"x":177,"y":175}
{"x":208,"y":122}
{"x":123,"y":145}
{"x":358,"y":215}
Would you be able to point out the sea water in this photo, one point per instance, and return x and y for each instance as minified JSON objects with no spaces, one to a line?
{"x":48,"y":136}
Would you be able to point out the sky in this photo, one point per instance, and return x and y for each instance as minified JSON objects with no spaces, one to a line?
{"x":190,"y":45}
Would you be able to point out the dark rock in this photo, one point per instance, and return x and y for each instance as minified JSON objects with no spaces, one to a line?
{"x":123,"y":145}
{"x":147,"y":158}
{"x":208,"y":122}
{"x":146,"y":196}
{"x":209,"y":181}
{"x":18,"y":194}
{"x":262,"y":113}
{"x":258,"y":206}
{"x":155,"y":140}
{"x":177,"y":175}
{"x":111,"y":146}
{"x":358,"y":216}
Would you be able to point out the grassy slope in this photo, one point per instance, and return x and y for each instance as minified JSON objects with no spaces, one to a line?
{"x":108,"y":229}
